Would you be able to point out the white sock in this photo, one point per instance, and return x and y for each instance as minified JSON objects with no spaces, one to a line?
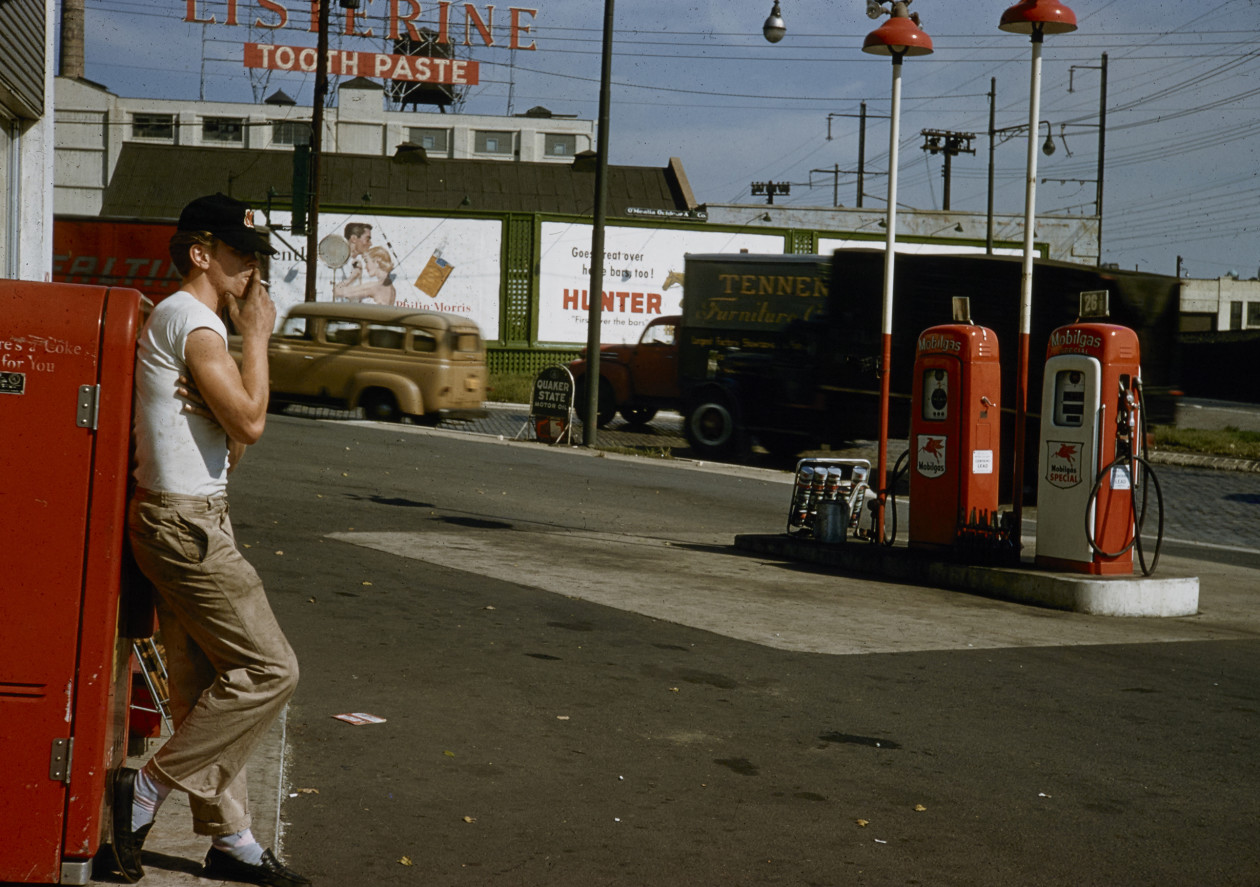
{"x":149,"y":795}
{"x":240,"y":846}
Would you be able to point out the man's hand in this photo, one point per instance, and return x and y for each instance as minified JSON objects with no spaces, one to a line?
{"x":254,"y":316}
{"x":196,"y":406}
{"x":236,"y":452}
{"x":194,"y":403}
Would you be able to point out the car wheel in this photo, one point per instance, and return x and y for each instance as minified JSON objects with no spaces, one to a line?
{"x":607,"y":408}
{"x":637,"y":415}
{"x":712,"y":428}
{"x":380,"y":405}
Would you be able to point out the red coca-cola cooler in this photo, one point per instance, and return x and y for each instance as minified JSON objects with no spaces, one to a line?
{"x":67,"y":355}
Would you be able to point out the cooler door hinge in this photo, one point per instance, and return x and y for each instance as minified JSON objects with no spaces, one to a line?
{"x":89,"y":406}
{"x":59,"y":767}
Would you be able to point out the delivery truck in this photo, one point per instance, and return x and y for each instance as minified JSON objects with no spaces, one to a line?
{"x":784,"y":350}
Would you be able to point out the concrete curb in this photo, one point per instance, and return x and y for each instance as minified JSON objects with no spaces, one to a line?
{"x":1095,"y":595}
{"x":1196,"y":460}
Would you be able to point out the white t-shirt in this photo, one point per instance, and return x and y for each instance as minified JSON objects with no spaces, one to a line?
{"x":176,"y":452}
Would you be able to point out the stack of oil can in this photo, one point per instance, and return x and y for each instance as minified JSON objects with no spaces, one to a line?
{"x":828,"y":498}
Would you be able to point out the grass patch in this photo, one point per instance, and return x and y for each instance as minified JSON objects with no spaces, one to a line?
{"x":510,"y":387}
{"x":1229,"y":441}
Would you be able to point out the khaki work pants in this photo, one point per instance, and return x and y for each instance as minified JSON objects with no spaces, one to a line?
{"x":230,"y":667}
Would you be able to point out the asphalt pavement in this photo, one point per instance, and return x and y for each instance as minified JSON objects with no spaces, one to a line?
{"x":583,"y":684}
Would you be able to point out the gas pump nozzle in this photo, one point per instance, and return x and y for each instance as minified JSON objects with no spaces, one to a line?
{"x":1125,"y":420}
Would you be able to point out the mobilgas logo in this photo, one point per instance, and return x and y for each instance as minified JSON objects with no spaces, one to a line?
{"x":1074,"y":340}
{"x":936,"y":342}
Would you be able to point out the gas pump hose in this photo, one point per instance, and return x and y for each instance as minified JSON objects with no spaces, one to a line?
{"x":900,"y":467}
{"x":1136,"y":542}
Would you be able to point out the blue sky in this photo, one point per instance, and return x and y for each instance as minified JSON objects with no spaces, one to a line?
{"x":695,"y":79}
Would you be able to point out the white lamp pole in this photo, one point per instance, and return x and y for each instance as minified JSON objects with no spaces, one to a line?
{"x":898,"y":37}
{"x":1035,"y":18}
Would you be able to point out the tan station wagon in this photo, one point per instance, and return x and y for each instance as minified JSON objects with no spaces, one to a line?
{"x":392,"y":362}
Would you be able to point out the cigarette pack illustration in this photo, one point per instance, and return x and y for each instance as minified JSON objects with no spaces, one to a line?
{"x":435,"y":272}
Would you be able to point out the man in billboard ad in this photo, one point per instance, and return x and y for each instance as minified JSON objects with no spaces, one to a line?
{"x":642,"y":276}
{"x":448,"y":265}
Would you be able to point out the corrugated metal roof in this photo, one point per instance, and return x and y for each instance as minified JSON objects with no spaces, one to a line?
{"x":154,"y":182}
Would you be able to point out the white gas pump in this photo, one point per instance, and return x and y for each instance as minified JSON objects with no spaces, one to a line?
{"x":1092,"y":465}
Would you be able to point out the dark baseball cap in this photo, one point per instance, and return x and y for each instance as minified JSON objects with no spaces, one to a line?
{"x":227,"y":219}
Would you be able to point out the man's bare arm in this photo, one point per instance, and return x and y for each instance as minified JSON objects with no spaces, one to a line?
{"x":236,"y":397}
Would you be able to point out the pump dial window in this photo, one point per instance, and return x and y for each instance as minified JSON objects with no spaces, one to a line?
{"x":1069,"y":398}
{"x":935,"y":395}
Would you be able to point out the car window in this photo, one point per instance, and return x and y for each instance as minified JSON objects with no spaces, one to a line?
{"x":342,"y":332}
{"x":380,"y":336}
{"x":661,"y":334}
{"x":423,"y":341}
{"x":467,"y":342}
{"x":297,"y":328}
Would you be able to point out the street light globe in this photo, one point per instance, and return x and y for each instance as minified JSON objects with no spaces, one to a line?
{"x":774,"y":28}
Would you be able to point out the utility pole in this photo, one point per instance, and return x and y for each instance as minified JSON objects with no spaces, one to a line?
{"x":1102,"y":148}
{"x":861,"y":167}
{"x":942,"y":141}
{"x":595,"y":306}
{"x":988,"y":235}
{"x":1102,"y":139}
{"x":317,"y":143}
{"x":834,"y":172}
{"x":861,"y":156}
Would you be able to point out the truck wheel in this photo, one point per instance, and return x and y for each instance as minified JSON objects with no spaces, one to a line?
{"x":607,"y":408}
{"x":380,"y":405}
{"x":637,"y":415}
{"x":711,"y":427}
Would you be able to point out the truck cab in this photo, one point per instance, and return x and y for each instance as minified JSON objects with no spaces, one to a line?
{"x":636,"y":380}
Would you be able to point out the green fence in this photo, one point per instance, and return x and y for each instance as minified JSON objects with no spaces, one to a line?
{"x":527,"y":361}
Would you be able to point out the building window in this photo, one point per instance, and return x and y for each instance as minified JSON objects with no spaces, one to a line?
{"x":494,"y":142}
{"x":1253,"y":314}
{"x":558,"y":145}
{"x":223,"y":129}
{"x":153,"y":126}
{"x":290,"y":132}
{"x":1235,"y":315}
{"x":434,"y":141}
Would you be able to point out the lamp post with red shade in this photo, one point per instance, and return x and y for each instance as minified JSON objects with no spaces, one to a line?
{"x":1035,"y":18}
{"x":897,"y":38}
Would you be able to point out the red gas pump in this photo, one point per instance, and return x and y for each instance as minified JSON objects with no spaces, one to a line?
{"x":1090,"y":435}
{"x":66,"y":359}
{"x":954,"y":431}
